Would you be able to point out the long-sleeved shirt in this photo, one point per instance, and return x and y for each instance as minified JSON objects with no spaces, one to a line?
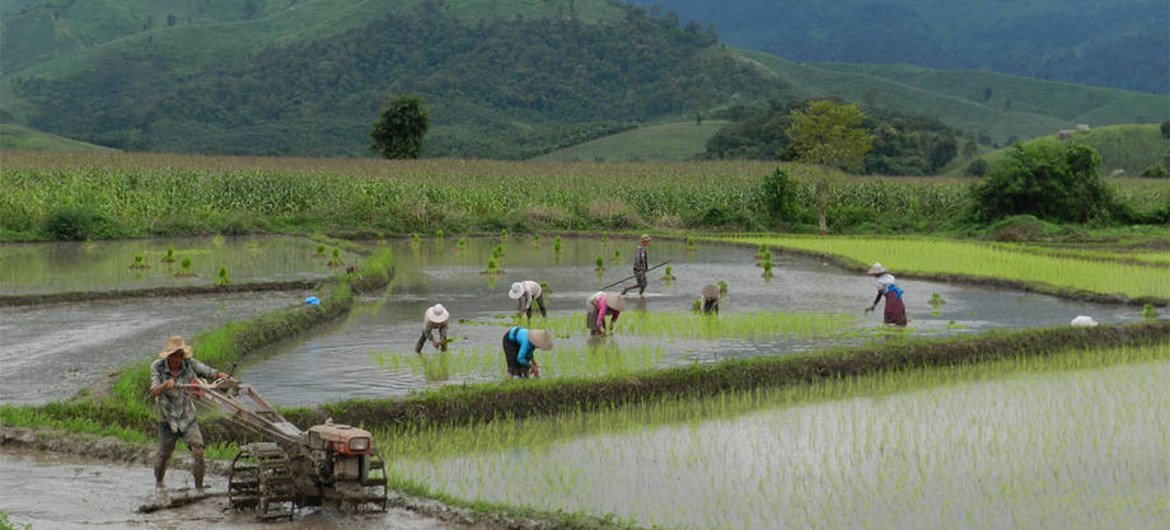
{"x":640,"y":260}
{"x":532,"y":291}
{"x":519,"y":335}
{"x":599,"y":300}
{"x":175,"y":406}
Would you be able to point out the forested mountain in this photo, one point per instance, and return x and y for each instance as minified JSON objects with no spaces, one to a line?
{"x":502,"y":78}
{"x":1114,"y":43}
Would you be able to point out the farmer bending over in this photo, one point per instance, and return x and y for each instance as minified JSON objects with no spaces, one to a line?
{"x":435,"y":318}
{"x":710,"y":299}
{"x":518,"y":349}
{"x":525,"y":293}
{"x":176,"y":407}
{"x":598,"y":306}
{"x":895,"y":310}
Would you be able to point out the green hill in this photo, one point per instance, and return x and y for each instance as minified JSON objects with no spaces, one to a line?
{"x":669,"y":141}
{"x":503,"y":79}
{"x":17,"y":138}
{"x":1114,"y":43}
{"x":1128,"y":149}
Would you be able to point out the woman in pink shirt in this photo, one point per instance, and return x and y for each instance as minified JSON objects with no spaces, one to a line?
{"x":598,"y":306}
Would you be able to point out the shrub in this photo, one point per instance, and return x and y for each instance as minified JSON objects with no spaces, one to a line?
{"x":779,"y":196}
{"x":977,"y":168}
{"x":74,"y":223}
{"x":1156,"y":171}
{"x":1057,"y":183}
{"x":1166,"y":129}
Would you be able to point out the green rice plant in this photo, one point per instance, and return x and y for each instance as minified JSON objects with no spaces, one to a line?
{"x":1149,"y":311}
{"x":767,"y":269}
{"x":461,"y":244}
{"x":223,"y":278}
{"x":139,"y":262}
{"x":185,"y":268}
{"x":169,"y":257}
{"x":335,"y":260}
{"x":218,"y":240}
{"x":761,"y":251}
{"x":498,"y":252}
{"x":697,"y":305}
{"x":5,"y":524}
{"x":691,"y":243}
{"x":669,"y":276}
{"x":936,"y":300}
{"x":320,"y":251}
{"x":617,"y":255}
{"x":929,"y":257}
{"x":414,"y":241}
{"x":503,"y":235}
{"x":536,"y":240}
{"x":605,"y":238}
{"x":763,"y":325}
{"x":440,"y":234}
{"x":493,"y":267}
{"x":557,"y":245}
{"x":600,"y":264}
{"x":722,"y":288}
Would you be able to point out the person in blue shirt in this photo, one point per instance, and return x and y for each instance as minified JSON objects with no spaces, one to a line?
{"x":519,"y":345}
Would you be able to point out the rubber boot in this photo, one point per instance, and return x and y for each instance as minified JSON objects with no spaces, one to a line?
{"x":160,"y":471}
{"x":197,"y":470}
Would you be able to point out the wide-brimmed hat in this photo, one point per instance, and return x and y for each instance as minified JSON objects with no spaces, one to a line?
{"x":645,"y":237}
{"x":615,"y":301}
{"x":710,"y":291}
{"x":540,"y":338}
{"x":175,"y":344}
{"x":877,"y":269}
{"x":516,"y":291}
{"x":437,"y":314}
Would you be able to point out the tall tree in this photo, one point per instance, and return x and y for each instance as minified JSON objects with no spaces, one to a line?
{"x":830,"y":134}
{"x":400,"y":130}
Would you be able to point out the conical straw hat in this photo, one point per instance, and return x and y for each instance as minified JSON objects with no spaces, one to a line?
{"x":540,"y":338}
{"x":175,"y":343}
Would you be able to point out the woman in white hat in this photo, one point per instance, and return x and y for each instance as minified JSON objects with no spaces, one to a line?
{"x":598,"y":306}
{"x":895,"y":309}
{"x":519,"y":345}
{"x":525,"y":293}
{"x":436,"y":317}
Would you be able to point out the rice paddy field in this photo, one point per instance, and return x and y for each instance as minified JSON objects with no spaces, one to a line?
{"x":1075,"y":440}
{"x":936,"y":257}
{"x":807,"y":305}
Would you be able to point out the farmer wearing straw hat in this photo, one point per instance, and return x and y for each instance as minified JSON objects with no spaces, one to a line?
{"x":710,"y":299}
{"x":641,"y":265}
{"x":519,"y":344}
{"x":525,"y":293}
{"x":598,"y":306}
{"x":169,"y":375}
{"x":436,"y":317}
{"x":895,"y":309}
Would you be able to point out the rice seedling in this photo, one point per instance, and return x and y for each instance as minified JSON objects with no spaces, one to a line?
{"x":185,"y":268}
{"x":923,"y":256}
{"x":669,"y":275}
{"x":223,"y":278}
{"x":253,"y":245}
{"x":414,"y":242}
{"x":320,"y":251}
{"x":557,"y":245}
{"x":809,"y":455}
{"x":440,"y":234}
{"x":536,"y":240}
{"x":493,"y":267}
{"x":691,"y":246}
{"x":599,"y":264}
{"x":218,"y":240}
{"x":617,"y":256}
{"x":722,"y":288}
{"x":936,"y":300}
{"x":605,"y":238}
{"x":461,"y":244}
{"x":169,"y":257}
{"x":498,"y":252}
{"x":139,"y":262}
{"x":335,"y":259}
{"x":1149,"y":311}
{"x":767,"y":269}
{"x":503,"y":235}
{"x":674,"y":325}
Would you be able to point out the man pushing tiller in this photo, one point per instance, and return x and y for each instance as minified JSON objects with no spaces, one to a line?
{"x":170,"y":376}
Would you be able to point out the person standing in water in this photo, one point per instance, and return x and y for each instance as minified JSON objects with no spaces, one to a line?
{"x":435,"y":318}
{"x":525,"y":293}
{"x":170,"y":376}
{"x":641,"y":265}
{"x":886,"y":288}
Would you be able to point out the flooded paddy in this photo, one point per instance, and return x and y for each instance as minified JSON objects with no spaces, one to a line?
{"x":971,"y":447}
{"x":52,"y":351}
{"x":371,"y":353}
{"x":64,"y":493}
{"x":34,"y":268}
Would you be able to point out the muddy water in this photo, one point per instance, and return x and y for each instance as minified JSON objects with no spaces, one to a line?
{"x":51,"y":351}
{"x":28,"y":268}
{"x":440,"y":272}
{"x":1083,"y":449}
{"x":61,"y":494}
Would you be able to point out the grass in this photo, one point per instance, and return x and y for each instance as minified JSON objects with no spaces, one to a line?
{"x":17,"y":138}
{"x":758,"y":325}
{"x":1130,"y":148}
{"x":934,"y":258}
